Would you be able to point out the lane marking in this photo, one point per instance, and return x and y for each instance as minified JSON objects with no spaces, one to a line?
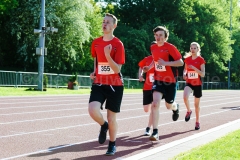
{"x":181,"y":141}
{"x":133,"y":141}
{"x":67,"y":127}
{"x":79,"y":115}
{"x":35,"y":112}
{"x":40,"y":106}
{"x":169,"y":144}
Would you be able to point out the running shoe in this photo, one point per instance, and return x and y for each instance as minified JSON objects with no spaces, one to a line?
{"x":175,"y":114}
{"x":154,"y":136}
{"x":197,"y":126}
{"x":188,"y":116}
{"x":103,"y":134}
{"x":147,"y":132}
{"x":111,"y":150}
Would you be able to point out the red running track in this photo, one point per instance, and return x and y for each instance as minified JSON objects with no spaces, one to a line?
{"x":59,"y":127}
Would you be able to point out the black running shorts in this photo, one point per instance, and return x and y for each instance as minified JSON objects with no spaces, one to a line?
{"x":147,"y":97}
{"x":111,"y":94}
{"x":167,"y":89}
{"x":197,"y":90}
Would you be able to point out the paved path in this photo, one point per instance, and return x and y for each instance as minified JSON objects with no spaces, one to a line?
{"x":59,"y":127}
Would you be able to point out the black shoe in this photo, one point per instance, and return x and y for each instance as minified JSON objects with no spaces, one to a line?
{"x":103,"y":133}
{"x":147,"y":132}
{"x":111,"y":150}
{"x":188,"y":116}
{"x":154,"y":136}
{"x":197,"y":126}
{"x":175,"y":114}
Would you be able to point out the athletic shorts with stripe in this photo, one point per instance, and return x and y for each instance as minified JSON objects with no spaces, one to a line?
{"x":147,"y":97}
{"x":167,"y":89}
{"x":197,"y":90}
{"x":111,"y":94}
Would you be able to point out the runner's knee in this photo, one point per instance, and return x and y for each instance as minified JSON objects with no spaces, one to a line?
{"x":147,"y":107}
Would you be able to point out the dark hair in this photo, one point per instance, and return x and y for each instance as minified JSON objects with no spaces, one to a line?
{"x":161,"y":28}
{"x":114,"y":18}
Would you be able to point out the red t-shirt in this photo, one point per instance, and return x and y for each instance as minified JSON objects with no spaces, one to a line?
{"x":167,"y":52}
{"x":104,"y":73}
{"x":149,"y":75}
{"x":193,"y":77}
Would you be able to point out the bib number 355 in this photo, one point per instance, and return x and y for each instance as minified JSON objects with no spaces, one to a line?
{"x":105,"y":69}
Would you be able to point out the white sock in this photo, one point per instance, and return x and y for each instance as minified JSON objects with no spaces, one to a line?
{"x":174,"y":106}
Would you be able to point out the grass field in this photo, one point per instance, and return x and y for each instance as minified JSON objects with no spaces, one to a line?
{"x":225,"y":148}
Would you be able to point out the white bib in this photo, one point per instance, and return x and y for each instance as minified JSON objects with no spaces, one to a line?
{"x":104,"y":68}
{"x":151,"y":77}
{"x":159,"y":67}
{"x":192,"y":75}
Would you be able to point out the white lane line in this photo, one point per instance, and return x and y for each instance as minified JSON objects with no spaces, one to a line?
{"x":70,"y":109}
{"x":181,"y":141}
{"x":92,"y":140}
{"x":44,"y":119}
{"x":72,"y":116}
{"x":34,"y":112}
{"x":40,"y":106}
{"x":48,"y":134}
{"x":43,"y":101}
{"x":60,"y":128}
{"x":37,"y":102}
{"x":54,"y":105}
{"x":133,"y":141}
{"x":47,"y":130}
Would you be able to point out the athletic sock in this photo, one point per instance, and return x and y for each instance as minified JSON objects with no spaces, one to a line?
{"x":112,"y":143}
{"x":155,"y":130}
{"x":174,"y":106}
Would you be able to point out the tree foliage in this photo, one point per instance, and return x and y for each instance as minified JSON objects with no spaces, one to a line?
{"x":205,"y":22}
{"x":7,"y":5}
{"x":79,"y":22}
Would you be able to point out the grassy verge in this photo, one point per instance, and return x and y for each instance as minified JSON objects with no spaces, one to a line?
{"x":226,"y":147}
{"x":11,"y":91}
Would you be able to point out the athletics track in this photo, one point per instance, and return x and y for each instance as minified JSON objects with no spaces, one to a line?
{"x":59,"y":127}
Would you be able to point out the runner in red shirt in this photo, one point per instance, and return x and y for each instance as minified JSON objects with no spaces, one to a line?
{"x":109,"y":56}
{"x":166,"y":58}
{"x":193,"y":71}
{"x":147,"y":88}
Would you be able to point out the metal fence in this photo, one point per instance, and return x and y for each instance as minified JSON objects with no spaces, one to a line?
{"x":30,"y":79}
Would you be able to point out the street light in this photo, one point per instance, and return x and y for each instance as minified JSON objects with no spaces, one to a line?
{"x":41,"y":50}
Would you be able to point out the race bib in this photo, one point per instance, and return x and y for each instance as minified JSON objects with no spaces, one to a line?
{"x":159,"y":67}
{"x":104,"y":68}
{"x":192,"y":75}
{"x":151,"y":77}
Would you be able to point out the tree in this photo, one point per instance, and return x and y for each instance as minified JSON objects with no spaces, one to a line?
{"x":6,"y":6}
{"x":78,"y":22}
{"x":187,"y":21}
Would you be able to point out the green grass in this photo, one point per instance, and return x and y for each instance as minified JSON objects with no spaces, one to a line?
{"x":225,"y":148}
{"x":11,"y":91}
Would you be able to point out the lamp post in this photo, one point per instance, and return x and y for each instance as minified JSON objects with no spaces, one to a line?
{"x":41,"y":50}
{"x":229,"y":62}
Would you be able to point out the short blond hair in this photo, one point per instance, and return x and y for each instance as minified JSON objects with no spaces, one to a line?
{"x":115,"y":20}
